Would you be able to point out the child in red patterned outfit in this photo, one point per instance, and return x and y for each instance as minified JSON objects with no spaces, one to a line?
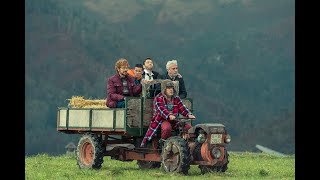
{"x":167,"y":105}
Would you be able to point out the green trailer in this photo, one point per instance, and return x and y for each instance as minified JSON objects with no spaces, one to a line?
{"x":130,"y":121}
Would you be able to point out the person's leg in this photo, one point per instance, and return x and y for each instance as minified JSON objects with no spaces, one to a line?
{"x":187,"y":127}
{"x":165,"y":130}
{"x":149,"y":133}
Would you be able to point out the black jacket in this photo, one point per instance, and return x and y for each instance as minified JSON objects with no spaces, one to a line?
{"x":182,"y":88}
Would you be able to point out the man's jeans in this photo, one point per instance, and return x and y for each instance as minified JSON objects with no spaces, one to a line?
{"x":120,"y":104}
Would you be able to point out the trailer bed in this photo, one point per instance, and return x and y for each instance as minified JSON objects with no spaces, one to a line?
{"x":130,"y":121}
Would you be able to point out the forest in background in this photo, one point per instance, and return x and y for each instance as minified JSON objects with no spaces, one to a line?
{"x":237,"y":58}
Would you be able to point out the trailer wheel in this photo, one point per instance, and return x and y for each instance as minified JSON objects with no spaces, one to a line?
{"x":209,"y":169}
{"x":90,"y":152}
{"x":175,"y":156}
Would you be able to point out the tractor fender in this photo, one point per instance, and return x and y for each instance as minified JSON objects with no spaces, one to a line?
{"x":209,"y":128}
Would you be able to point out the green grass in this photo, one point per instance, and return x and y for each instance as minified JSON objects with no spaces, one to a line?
{"x":241,"y":166}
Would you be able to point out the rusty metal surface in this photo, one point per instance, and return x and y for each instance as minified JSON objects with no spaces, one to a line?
{"x":109,"y":146}
{"x":86,"y":152}
{"x":205,"y":152}
{"x":146,"y":157}
{"x":145,"y":154}
{"x":123,"y":154}
{"x":127,"y":152}
{"x":209,"y":128}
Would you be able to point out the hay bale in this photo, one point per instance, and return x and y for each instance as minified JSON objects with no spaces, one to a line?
{"x":81,"y":102}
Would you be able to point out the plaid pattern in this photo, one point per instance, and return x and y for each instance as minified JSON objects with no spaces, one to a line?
{"x":161,"y":113}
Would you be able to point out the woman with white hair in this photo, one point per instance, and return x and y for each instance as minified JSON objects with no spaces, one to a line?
{"x":172,"y":74}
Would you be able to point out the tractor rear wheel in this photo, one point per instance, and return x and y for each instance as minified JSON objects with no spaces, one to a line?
{"x":175,"y":156}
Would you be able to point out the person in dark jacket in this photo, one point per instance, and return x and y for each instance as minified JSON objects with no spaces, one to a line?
{"x":172,"y":74}
{"x":121,"y":85}
{"x":149,"y":75}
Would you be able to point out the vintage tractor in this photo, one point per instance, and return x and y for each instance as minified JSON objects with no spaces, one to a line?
{"x":118,"y":132}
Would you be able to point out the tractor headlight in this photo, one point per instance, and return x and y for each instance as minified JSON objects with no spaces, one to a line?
{"x":228,"y":138}
{"x":216,"y":152}
{"x":201,"y":138}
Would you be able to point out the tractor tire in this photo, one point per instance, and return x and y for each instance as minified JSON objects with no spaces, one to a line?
{"x":175,"y":156}
{"x":90,"y":152}
{"x":224,"y":167}
{"x":146,"y":164}
{"x":209,"y":169}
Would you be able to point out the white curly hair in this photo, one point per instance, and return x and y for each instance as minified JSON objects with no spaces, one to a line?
{"x":171,"y":62}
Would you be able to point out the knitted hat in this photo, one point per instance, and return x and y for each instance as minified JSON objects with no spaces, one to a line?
{"x":168,"y":83}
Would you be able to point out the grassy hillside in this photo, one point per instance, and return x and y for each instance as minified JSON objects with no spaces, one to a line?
{"x":242,"y":166}
{"x":236,"y":57}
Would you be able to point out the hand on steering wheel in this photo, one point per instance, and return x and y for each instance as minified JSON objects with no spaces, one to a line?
{"x":172,"y":117}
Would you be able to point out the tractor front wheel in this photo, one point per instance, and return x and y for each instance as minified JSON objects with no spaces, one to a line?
{"x":222,"y":168}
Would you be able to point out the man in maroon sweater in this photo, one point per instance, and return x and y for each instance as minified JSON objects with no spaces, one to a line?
{"x":121,"y":85}
{"x":167,"y":105}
